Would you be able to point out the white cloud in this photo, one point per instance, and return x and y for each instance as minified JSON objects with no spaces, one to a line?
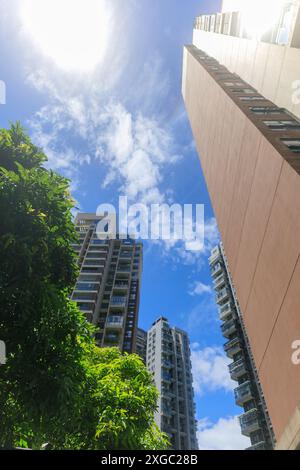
{"x":210,"y":370}
{"x":223,"y":435}
{"x":136,"y":150}
{"x":86,"y":122}
{"x":198,"y":288}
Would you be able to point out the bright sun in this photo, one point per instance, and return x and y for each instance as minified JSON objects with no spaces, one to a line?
{"x":73,"y":33}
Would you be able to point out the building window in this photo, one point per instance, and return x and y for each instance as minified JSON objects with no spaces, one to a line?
{"x":235,"y":84}
{"x":292,"y":144}
{"x":248,"y":91}
{"x":252,"y":98}
{"x":282,"y":125}
{"x":266,"y":110}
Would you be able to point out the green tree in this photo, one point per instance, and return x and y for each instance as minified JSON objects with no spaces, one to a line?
{"x":56,"y":386}
{"x":123,"y":401}
{"x":43,"y":330}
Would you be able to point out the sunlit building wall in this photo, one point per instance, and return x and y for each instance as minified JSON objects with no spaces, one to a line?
{"x":260,"y":41}
{"x":238,"y":94}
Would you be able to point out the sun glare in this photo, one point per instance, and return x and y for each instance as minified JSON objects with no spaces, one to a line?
{"x":73,"y":33}
{"x":259,"y":16}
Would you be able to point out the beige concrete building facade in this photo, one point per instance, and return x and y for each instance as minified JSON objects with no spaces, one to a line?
{"x":249,"y":148}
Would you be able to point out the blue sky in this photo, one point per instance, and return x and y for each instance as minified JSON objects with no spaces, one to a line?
{"x":122,"y":129}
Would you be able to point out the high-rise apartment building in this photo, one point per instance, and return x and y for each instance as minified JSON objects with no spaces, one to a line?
{"x":168,"y":359}
{"x":141,"y":344}
{"x":239,"y":91}
{"x":255,"y":422}
{"x":108,"y":285}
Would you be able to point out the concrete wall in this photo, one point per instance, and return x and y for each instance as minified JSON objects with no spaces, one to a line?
{"x":255,"y":194}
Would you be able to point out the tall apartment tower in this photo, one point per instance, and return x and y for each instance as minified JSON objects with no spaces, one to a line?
{"x":141,"y":344}
{"x":168,"y":359}
{"x":255,"y":422}
{"x":239,"y":90}
{"x":108,"y":285}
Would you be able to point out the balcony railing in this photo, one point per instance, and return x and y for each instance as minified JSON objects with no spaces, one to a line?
{"x":115,"y":322}
{"x":249,"y":422}
{"x":232,"y":347}
{"x":225,"y":311}
{"x":237,"y":369}
{"x":84,"y":297}
{"x":93,"y":262}
{"x":126,"y":255}
{"x":167,"y":411}
{"x":243,"y":393}
{"x":167,"y":377}
{"x":118,"y":301}
{"x":222,"y":296}
{"x":124,"y":269}
{"x":111,"y":339}
{"x":87,"y":286}
{"x":216,"y":255}
{"x":229,"y":327}
{"x":217,"y":269}
{"x":167,"y":364}
{"x":259,"y":446}
{"x":219,"y":281}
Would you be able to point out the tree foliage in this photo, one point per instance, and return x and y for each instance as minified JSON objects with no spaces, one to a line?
{"x":56,"y":386}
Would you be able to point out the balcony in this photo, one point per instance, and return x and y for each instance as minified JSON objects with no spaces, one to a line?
{"x":94,"y":262}
{"x":87,"y":287}
{"x":220,"y":281}
{"x":126,"y":255}
{"x":111,"y":339}
{"x":167,"y":364}
{"x":222,"y":296}
{"x":226,"y":311}
{"x":84,"y":297}
{"x":97,"y":241}
{"x":237,"y":369}
{"x":115,"y":322}
{"x":216,"y":270}
{"x":124,"y":269}
{"x":259,"y":446}
{"x":121,"y":285}
{"x":229,"y":327}
{"x":167,"y":377}
{"x":249,"y":422}
{"x":167,"y":411}
{"x":96,"y":254}
{"x":243,"y":393}
{"x":118,"y":302}
{"x":233,"y":347}
{"x":215,"y":256}
{"x":88,"y":277}
{"x":86,"y":307}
